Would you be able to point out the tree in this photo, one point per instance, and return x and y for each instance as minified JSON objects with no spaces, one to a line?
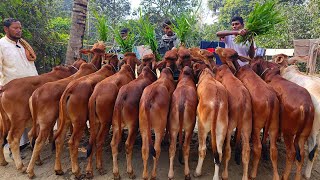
{"x":78,"y":25}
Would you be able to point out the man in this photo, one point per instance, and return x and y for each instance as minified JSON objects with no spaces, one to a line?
{"x":13,"y":59}
{"x":229,"y":36}
{"x":169,"y":39}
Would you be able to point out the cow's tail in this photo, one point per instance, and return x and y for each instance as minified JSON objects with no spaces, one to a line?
{"x":92,"y":122}
{"x":33,"y":110}
{"x":238,"y":145}
{"x":270,"y":107}
{"x":147,"y":109}
{"x":214,"y":135}
{"x":5,"y":124}
{"x":181,"y":117}
{"x":62,"y":113}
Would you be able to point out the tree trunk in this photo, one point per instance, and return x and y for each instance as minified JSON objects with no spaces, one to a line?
{"x":78,"y":25}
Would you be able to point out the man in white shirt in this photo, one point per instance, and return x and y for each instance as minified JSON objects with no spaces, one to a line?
{"x":13,"y":60}
{"x":229,"y":36}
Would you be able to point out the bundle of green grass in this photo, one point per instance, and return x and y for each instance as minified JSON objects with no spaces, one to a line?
{"x":260,"y":21}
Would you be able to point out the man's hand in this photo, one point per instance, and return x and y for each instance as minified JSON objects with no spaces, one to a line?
{"x":242,"y":32}
{"x":1,"y":88}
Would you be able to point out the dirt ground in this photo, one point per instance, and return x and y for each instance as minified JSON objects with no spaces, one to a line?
{"x":235,"y":171}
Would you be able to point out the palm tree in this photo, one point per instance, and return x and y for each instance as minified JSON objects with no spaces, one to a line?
{"x":78,"y":25}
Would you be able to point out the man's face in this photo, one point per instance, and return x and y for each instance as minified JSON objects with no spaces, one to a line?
{"x":124,"y":35}
{"x":236,"y":25}
{"x":14,"y":31}
{"x":168,"y":31}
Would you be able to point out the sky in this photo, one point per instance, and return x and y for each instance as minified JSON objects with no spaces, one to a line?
{"x":207,"y":15}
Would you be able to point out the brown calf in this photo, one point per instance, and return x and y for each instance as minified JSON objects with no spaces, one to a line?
{"x":265,"y":108}
{"x":15,"y":110}
{"x":101,"y":105}
{"x":212,"y":112}
{"x":73,"y":110}
{"x":44,"y":105}
{"x":126,"y":113}
{"x":240,"y":117}
{"x":296,"y":113}
{"x":182,"y":116}
{"x":154,"y":109}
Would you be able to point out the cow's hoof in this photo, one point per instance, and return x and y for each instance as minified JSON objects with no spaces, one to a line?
{"x":102,"y":171}
{"x":131,"y":175}
{"x":80,"y":176}
{"x":59,"y":172}
{"x":195,"y":174}
{"x":89,"y":175}
{"x":116,"y":176}
{"x":39,"y":163}
{"x":31,"y":175}
{"x":153,"y":178}
{"x":187,"y":177}
{"x":4,"y":163}
{"x":169,"y":178}
{"x":252,"y":178}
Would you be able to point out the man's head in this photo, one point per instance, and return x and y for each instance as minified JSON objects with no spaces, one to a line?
{"x":166,"y":26}
{"x":12,"y":28}
{"x":124,"y":33}
{"x":237,"y":23}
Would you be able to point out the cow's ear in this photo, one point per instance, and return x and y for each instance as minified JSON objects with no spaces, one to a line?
{"x":138,"y":62}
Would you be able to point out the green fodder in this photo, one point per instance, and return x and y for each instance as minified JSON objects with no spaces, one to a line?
{"x":260,"y":21}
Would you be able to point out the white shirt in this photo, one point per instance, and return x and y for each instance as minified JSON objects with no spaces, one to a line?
{"x":242,"y":49}
{"x":13,"y":61}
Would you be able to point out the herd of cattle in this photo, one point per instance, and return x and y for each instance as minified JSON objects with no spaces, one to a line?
{"x":272,"y":96}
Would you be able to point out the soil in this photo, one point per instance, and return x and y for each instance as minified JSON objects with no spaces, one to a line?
{"x":235,"y":171}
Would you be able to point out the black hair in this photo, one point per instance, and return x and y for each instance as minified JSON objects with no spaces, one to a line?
{"x":166,"y":23}
{"x":124,"y":30}
{"x":237,"y":18}
{"x":8,"y":21}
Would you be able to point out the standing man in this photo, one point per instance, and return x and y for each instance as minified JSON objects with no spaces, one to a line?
{"x":229,"y":36}
{"x":13,"y":58}
{"x":169,"y":39}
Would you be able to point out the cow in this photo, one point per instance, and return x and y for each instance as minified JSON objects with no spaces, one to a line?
{"x":212,"y":114}
{"x":296,"y":113}
{"x":44,"y":104}
{"x":126,"y":112}
{"x":153,"y":111}
{"x":101,"y":105}
{"x":182,"y":116}
{"x":15,"y":110}
{"x":265,"y":109}
{"x":73,"y":110}
{"x":312,"y":85}
{"x":240,"y":117}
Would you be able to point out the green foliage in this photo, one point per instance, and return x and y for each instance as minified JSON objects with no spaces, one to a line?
{"x":260,"y":21}
{"x":184,"y":26}
{"x":126,"y":44}
{"x":146,"y":32}
{"x":102,"y":26}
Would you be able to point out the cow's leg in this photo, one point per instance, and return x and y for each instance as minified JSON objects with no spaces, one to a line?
{"x":227,"y":153}
{"x":132,"y":135}
{"x":3,"y":161}
{"x":74,"y":141}
{"x":186,"y":151}
{"x":116,"y":138}
{"x":273,"y":133}
{"x":202,"y":136}
{"x":313,"y":149}
{"x":290,"y":152}
{"x":256,"y":141}
{"x":301,"y":141}
{"x":14,"y":137}
{"x":59,"y":146}
{"x":145,"y":153}
{"x":220,"y":136}
{"x":245,"y":136}
{"x":157,"y":146}
{"x":40,"y":141}
{"x":172,"y":150}
{"x":101,"y":137}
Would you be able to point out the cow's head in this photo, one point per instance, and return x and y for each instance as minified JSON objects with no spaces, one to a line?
{"x":197,"y":68}
{"x":230,"y":57}
{"x":266,"y":70}
{"x":147,"y":60}
{"x":112,"y":60}
{"x":186,"y":71}
{"x":169,"y":60}
{"x":184,"y":58}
